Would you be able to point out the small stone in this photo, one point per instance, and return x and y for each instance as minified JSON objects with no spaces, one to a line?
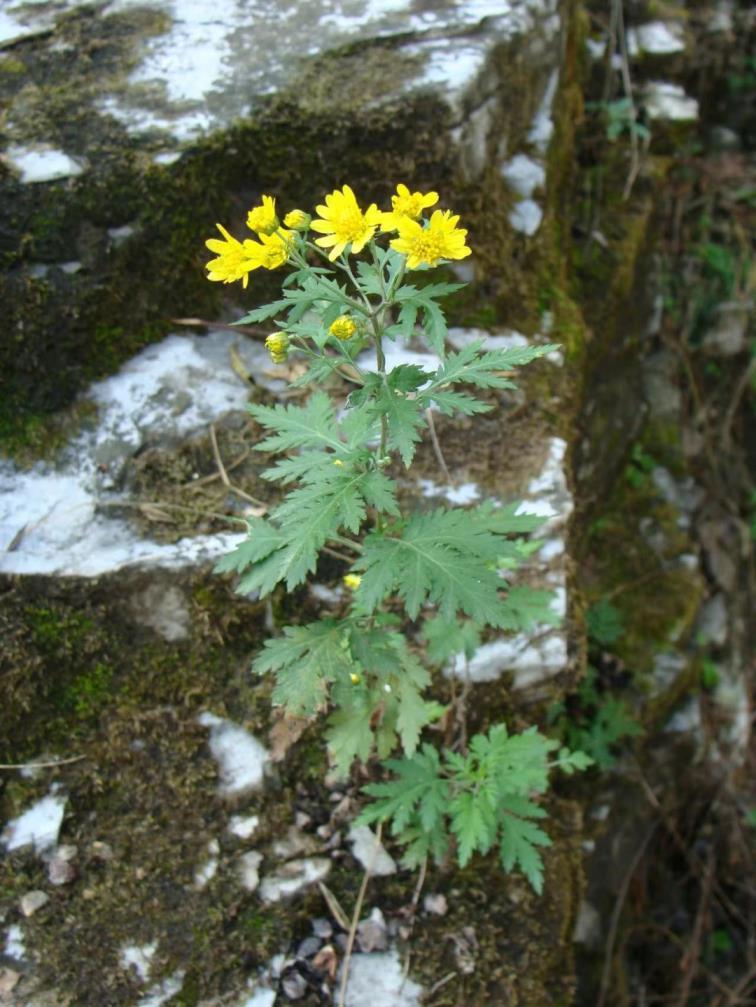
{"x":60,"y":868}
{"x":243,"y":826}
{"x":322,"y":928}
{"x":101,"y":851}
{"x":293,"y":877}
{"x":728,"y":335}
{"x":294,"y":843}
{"x":712,"y":621}
{"x":308,"y":947}
{"x":8,"y":981}
{"x":302,"y":820}
{"x":33,"y":901}
{"x":371,"y":933}
{"x":436,"y":904}
{"x":294,"y":985}
{"x":369,"y":852}
{"x":588,"y":930}
{"x":88,"y":894}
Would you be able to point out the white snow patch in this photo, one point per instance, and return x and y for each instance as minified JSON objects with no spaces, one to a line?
{"x":542,"y":127}
{"x":526,"y":216}
{"x":163,"y":991}
{"x":243,"y":827}
{"x":261,"y":998}
{"x":249,"y":870}
{"x":550,"y":549}
{"x":529,"y":660}
{"x":209,"y":869}
{"x":465,"y":493}
{"x":14,"y":942}
{"x":58,"y":520}
{"x":139,"y":958}
{"x":379,"y":980}
{"x":370,"y":853}
{"x":39,"y":826}
{"x":669,"y":101}
{"x":293,"y":877}
{"x":240,"y":756}
{"x":657,"y":38}
{"x":524,"y":175}
{"x":396,"y":354}
{"x":42,"y":164}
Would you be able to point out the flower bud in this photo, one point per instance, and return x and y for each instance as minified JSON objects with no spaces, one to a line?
{"x":277,"y":344}
{"x":298,"y":220}
{"x":352,"y":581}
{"x":355,"y":678}
{"x":343,"y":328}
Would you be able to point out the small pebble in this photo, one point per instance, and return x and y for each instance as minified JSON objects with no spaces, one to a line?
{"x":101,"y":851}
{"x":294,"y":985}
{"x":33,"y":901}
{"x":435,"y":904}
{"x":60,"y":869}
{"x":302,"y":820}
{"x":371,"y":933}
{"x":308,"y":947}
{"x":322,"y":928}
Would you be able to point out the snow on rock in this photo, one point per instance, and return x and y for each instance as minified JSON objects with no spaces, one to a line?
{"x":241,"y":758}
{"x":534,"y":657}
{"x":526,"y":216}
{"x":657,"y":38}
{"x":465,"y":493}
{"x":14,"y":943}
{"x":209,"y":869}
{"x":249,"y":870}
{"x":293,"y":877}
{"x":370,"y":853}
{"x":38,"y":826}
{"x":524,"y":175}
{"x":669,"y":101}
{"x":138,"y":957}
{"x":379,"y":980}
{"x":41,"y":164}
{"x":243,"y":826}
{"x":542,"y":128}
{"x":57,"y":520}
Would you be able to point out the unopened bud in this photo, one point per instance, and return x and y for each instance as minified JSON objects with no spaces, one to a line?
{"x":298,"y":220}
{"x":343,"y":328}
{"x":277,"y":344}
{"x":352,"y":581}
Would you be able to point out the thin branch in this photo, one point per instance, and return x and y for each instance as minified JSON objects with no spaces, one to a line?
{"x":616,"y":913}
{"x":691,"y":957}
{"x":437,"y":447}
{"x":356,"y":916}
{"x":227,"y":482}
{"x":41,"y":765}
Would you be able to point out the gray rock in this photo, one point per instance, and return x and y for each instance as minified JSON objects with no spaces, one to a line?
{"x":369,"y":852}
{"x":308,"y":947}
{"x":712,"y":620}
{"x":293,"y":877}
{"x":249,"y":875}
{"x":372,"y":934}
{"x":32,"y":901}
{"x":728,"y":335}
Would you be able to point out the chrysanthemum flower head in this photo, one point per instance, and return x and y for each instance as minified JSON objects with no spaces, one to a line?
{"x":406,"y":205}
{"x":343,"y":327}
{"x":343,"y":223}
{"x":273,"y":250}
{"x":262,"y":219}
{"x":235,"y":260}
{"x":426,"y":246}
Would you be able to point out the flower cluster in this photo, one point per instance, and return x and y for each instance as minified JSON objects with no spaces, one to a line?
{"x":344,"y":229}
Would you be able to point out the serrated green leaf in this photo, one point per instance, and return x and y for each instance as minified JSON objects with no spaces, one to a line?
{"x":527,"y":607}
{"x":447,"y":637}
{"x":312,"y":425}
{"x":266,"y":311}
{"x":413,"y":715}
{"x":519,"y":841}
{"x":349,"y":736}
{"x":405,"y":418}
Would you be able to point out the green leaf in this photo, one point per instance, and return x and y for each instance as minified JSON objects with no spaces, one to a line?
{"x":527,"y":607}
{"x":450,"y":402}
{"x":418,"y":786}
{"x":407,"y":377}
{"x":442,"y":557}
{"x":469,"y":825}
{"x":262,"y":314}
{"x":604,"y":622}
{"x":405,"y":418}
{"x":312,"y":425}
{"x":473,"y":365}
{"x":413,"y":715}
{"x":305,"y":660}
{"x":349,"y":736}
{"x":264,"y":538}
{"x":520,"y":839}
{"x":447,"y":637}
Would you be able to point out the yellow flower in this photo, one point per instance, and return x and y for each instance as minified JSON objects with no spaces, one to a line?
{"x":406,"y":204}
{"x":298,"y":220}
{"x":354,"y":677}
{"x":343,"y":223}
{"x":235,"y":260}
{"x":352,"y":581}
{"x":343,"y":328}
{"x":274,"y":249}
{"x":263,"y":219}
{"x":426,"y":246}
{"x":277,"y":344}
